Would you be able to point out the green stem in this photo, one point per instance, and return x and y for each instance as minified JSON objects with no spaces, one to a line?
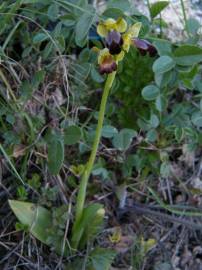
{"x":8,"y":87}
{"x":184,"y":15}
{"x":149,"y":7}
{"x":84,"y":181}
{"x":161,"y":30}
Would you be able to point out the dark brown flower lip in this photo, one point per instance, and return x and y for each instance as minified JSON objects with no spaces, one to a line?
{"x":145,"y":47}
{"x":108,"y":69}
{"x":114,"y":42}
{"x":108,"y":66}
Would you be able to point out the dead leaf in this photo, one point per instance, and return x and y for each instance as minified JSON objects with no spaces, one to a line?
{"x":19,"y":150}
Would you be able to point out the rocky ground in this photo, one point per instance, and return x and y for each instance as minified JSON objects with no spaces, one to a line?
{"x":173,"y":15}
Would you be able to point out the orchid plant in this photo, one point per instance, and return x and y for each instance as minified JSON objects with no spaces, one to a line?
{"x":118,"y":37}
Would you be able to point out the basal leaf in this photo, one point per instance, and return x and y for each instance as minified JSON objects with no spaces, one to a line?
{"x":39,"y":222}
{"x":36,"y":218}
{"x":89,"y":225}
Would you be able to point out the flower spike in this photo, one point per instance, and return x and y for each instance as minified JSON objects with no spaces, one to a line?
{"x":118,"y":41}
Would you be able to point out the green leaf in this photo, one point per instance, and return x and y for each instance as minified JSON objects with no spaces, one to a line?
{"x":82,"y":28}
{"x":157,"y":7}
{"x":102,"y":172}
{"x":152,"y":135}
{"x":48,"y":50}
{"x":193,"y":136}
{"x":84,"y":55}
{"x":154,"y":121}
{"x":143,"y":124}
{"x":179,"y":134}
{"x":163,"y":64}
{"x":60,"y":41}
{"x":188,"y":77}
{"x":72,"y":135}
{"x":193,"y":26}
{"x":198,"y":84}
{"x":102,"y":258}
{"x":197,"y":119}
{"x":39,"y":222}
{"x":37,"y":218}
{"x":160,"y":22}
{"x":150,"y":92}
{"x":53,"y":12}
{"x":92,"y":223}
{"x":113,"y":13}
{"x":38,"y":78}
{"x":57,"y":32}
{"x":10,"y":119}
{"x":55,"y":154}
{"x":161,"y":103}
{"x":163,"y":47}
{"x":89,"y":225}
{"x":123,"y":5}
{"x":123,"y":139}
{"x":83,"y":71}
{"x":187,"y":55}
{"x":40,"y":37}
{"x":163,"y":79}
{"x":68,"y":20}
{"x":109,"y":131}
